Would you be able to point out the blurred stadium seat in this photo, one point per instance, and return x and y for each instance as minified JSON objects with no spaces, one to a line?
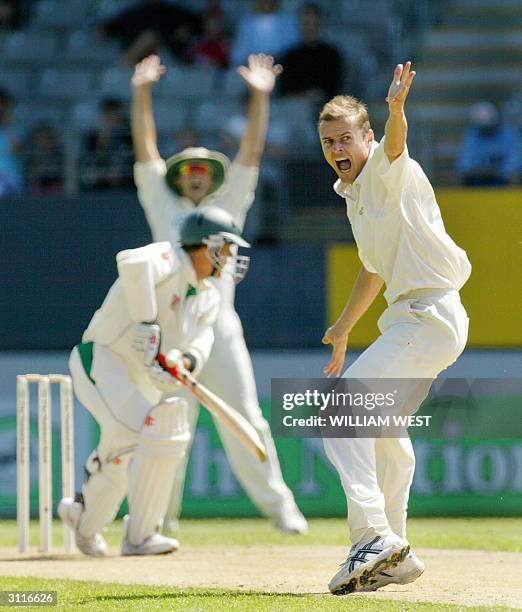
{"x":31,"y":47}
{"x":84,"y":116}
{"x":187,"y":82}
{"x":233,"y":84}
{"x":26,"y":115}
{"x":116,"y":82}
{"x":59,"y":14}
{"x":64,"y":84}
{"x":169,"y":115}
{"x":212,"y":114}
{"x":17,"y":82}
{"x":82,"y":48}
{"x":294,"y":112}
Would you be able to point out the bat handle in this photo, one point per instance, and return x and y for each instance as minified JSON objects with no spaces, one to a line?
{"x":179,"y":373}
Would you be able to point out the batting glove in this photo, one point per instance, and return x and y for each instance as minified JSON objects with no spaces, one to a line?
{"x":146,"y":342}
{"x":163,"y":380}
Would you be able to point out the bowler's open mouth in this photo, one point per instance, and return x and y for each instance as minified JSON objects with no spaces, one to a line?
{"x":344,"y":165}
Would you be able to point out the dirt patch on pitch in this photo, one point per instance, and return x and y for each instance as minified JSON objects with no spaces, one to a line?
{"x":465,"y":577}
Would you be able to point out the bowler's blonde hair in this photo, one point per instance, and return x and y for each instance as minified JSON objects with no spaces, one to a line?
{"x":340,"y":107}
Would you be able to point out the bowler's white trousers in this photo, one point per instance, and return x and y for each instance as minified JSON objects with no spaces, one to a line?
{"x":421,"y":336}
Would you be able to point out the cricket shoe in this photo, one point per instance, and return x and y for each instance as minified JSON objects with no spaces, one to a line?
{"x":291,"y":520}
{"x":365,"y":561}
{"x":156,"y":544}
{"x":407,"y":571}
{"x":70,"y":511}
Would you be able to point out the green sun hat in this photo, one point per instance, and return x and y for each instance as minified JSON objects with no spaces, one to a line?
{"x":216,"y":160}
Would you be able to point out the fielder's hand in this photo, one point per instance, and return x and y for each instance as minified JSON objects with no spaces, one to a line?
{"x":261,"y":73}
{"x":338,"y":342}
{"x":148,"y":71}
{"x":146,"y":342}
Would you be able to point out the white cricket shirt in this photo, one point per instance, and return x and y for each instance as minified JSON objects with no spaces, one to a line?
{"x":186,"y":311}
{"x":398,"y":228}
{"x":165,"y":210}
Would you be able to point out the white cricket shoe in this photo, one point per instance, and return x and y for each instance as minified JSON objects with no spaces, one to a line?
{"x":365,"y":561}
{"x":407,"y":571}
{"x":291,"y":520}
{"x":70,"y":512}
{"x":156,"y":544}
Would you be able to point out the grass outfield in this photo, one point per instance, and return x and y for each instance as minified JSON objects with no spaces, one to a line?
{"x":495,"y":534}
{"x":77,"y":595}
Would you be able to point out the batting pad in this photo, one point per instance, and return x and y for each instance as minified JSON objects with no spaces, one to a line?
{"x":150,"y":482}
{"x":163,"y":443}
{"x":103,"y":493}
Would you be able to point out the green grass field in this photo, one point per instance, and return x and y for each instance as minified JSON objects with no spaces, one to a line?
{"x":76,"y":595}
{"x":497,"y":534}
{"x":494,"y":534}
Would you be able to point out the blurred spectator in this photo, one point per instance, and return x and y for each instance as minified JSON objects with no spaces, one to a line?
{"x":142,"y":29}
{"x":213,"y":47}
{"x":266,"y":30}
{"x":313,"y":67}
{"x":108,"y":155}
{"x":43,"y":160}
{"x":10,"y":173}
{"x":490,"y":150}
{"x":10,"y":14}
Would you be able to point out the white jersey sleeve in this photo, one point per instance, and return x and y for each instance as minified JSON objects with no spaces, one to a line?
{"x":395,"y":175}
{"x":238,"y":192}
{"x":160,"y":204}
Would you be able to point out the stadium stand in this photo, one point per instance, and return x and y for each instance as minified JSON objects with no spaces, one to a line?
{"x":58,"y":71}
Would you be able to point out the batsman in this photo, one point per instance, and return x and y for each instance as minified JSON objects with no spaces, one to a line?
{"x":160,"y":310}
{"x":170,"y":189}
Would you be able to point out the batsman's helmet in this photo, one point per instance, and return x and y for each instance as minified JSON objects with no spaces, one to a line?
{"x":216,"y":160}
{"x":215,"y":227}
{"x":209,"y":221}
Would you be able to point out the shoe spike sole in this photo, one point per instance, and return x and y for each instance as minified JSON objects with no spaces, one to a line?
{"x":366,"y":576}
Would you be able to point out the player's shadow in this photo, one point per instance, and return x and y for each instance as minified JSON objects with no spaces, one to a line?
{"x":193,"y":592}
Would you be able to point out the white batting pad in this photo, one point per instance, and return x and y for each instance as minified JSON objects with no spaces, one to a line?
{"x":103,"y":493}
{"x":163,"y":442}
{"x":150,"y":483}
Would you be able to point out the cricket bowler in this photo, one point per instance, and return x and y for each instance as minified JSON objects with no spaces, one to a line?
{"x":161,"y":303}
{"x":168,"y":191}
{"x":402,"y":244}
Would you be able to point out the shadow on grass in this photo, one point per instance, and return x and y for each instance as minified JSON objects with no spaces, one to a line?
{"x":194,"y":593}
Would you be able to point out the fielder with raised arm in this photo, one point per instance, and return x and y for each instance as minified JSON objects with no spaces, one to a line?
{"x":161,"y":304}
{"x":168,"y":191}
{"x":402,"y":244}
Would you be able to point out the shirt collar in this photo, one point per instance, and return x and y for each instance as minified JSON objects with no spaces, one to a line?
{"x":346,"y":190}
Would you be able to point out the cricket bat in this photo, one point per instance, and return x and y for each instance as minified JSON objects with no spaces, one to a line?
{"x":230,"y":417}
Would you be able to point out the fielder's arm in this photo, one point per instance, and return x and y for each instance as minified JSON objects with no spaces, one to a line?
{"x":260,"y":76}
{"x":143,"y":127}
{"x":366,"y":289}
{"x":396,"y":130}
